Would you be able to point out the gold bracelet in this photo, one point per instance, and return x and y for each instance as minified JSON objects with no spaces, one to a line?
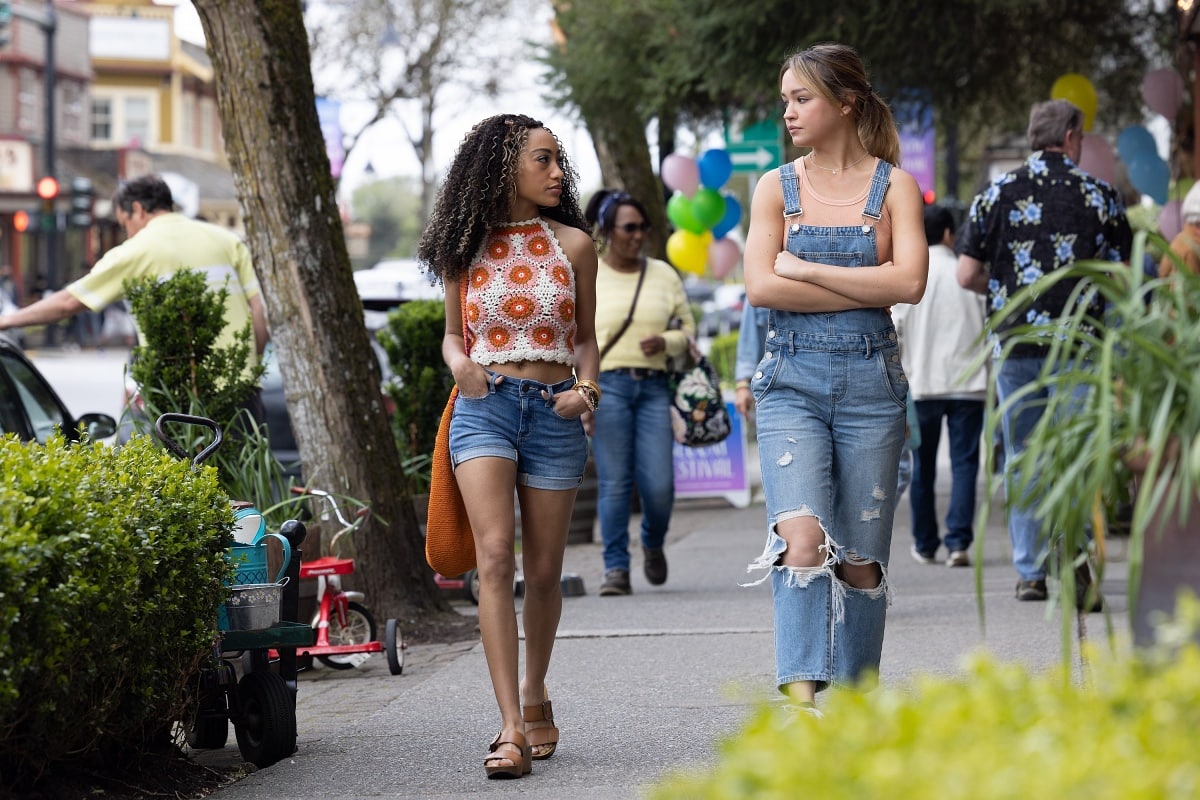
{"x":591,"y":386}
{"x":742,"y":384}
{"x":588,"y":396}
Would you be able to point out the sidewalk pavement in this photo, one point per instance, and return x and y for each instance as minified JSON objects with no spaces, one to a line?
{"x":644,"y":684}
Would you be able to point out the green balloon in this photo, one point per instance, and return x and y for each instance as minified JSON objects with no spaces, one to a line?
{"x":708,"y":207}
{"x":680,"y":212}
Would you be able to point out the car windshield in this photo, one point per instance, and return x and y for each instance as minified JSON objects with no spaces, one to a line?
{"x":33,"y":399}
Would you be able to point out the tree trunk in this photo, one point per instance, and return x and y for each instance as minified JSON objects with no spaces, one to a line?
{"x":259,"y":50}
{"x":624,"y":156}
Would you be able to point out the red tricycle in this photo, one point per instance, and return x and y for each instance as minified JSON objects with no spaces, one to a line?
{"x":346,"y":630}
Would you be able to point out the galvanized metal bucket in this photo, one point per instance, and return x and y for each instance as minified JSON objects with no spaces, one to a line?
{"x":254,"y":607}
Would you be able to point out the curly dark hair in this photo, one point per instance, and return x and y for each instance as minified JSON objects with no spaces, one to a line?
{"x":478,"y":192}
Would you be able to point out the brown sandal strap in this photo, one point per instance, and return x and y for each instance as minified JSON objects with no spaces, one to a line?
{"x":539,"y":712}
{"x":508,"y":745}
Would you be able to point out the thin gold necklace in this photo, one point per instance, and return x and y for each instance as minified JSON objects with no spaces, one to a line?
{"x":812,"y":161}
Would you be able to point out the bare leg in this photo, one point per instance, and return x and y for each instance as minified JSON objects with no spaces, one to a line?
{"x":804,"y":538}
{"x":545,"y":517}
{"x":487,"y":487}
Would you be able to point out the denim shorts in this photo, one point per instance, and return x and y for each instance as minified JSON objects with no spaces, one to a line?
{"x":514,"y":421}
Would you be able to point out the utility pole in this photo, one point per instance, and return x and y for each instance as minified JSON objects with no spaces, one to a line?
{"x":47,"y":20}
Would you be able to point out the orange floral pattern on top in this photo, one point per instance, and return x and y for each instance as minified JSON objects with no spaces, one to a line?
{"x":520,"y":303}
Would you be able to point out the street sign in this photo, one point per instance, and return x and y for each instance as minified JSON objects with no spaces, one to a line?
{"x":756,"y":148}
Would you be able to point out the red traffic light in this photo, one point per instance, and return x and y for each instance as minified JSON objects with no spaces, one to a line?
{"x":20,"y":221}
{"x":47,"y":188}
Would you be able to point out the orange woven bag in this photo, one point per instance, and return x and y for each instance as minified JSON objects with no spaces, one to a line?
{"x":449,"y":542}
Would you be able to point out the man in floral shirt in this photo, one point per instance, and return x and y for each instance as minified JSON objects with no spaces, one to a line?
{"x":1027,"y":223}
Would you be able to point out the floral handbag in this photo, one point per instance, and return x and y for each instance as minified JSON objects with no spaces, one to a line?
{"x":699,"y":416}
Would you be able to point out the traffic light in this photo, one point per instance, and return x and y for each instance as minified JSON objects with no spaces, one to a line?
{"x":47,"y":189}
{"x":81,"y":203}
{"x":5,"y":21}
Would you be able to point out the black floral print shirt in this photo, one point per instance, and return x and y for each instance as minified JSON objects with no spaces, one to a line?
{"x":1038,"y":218}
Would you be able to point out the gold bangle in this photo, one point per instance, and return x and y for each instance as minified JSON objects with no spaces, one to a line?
{"x":591,"y":386}
{"x":742,"y":384}
{"x":588,"y":397}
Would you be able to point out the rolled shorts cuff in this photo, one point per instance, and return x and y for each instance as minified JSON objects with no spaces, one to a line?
{"x":483,"y":452}
{"x":524,"y":479}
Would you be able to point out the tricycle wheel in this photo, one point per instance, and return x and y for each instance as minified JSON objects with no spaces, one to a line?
{"x":471,"y":586}
{"x":359,"y":629}
{"x":394,"y":646}
{"x":266,"y":730}
{"x":211,"y":728}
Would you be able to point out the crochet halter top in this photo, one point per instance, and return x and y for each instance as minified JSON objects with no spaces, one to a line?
{"x":520,"y":303}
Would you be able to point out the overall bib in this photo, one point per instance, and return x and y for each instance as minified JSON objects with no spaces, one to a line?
{"x":830,"y":393}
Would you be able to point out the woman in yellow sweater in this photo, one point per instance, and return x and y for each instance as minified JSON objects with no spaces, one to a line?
{"x":638,"y":300}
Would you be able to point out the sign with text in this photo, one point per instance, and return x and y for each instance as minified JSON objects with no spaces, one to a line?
{"x":718,"y":470}
{"x":918,"y":152}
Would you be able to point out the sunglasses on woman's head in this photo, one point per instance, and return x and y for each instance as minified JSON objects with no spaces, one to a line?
{"x":633,"y":227}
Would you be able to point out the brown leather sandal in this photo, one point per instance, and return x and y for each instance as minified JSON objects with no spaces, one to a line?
{"x":545,"y":738}
{"x":515,"y":750}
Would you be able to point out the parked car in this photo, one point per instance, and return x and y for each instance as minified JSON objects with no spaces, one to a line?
{"x":394,"y":281}
{"x":30,"y":408}
{"x":722,"y":313}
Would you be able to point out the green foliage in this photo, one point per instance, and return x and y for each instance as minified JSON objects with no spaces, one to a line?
{"x":413,"y":343}
{"x":723,"y":355}
{"x":1122,"y":388}
{"x":997,"y":731}
{"x":111,"y":574}
{"x":181,"y":369}
{"x":392,"y":208}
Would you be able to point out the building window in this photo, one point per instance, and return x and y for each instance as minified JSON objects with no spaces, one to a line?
{"x":188,"y":124}
{"x":28,"y":107}
{"x":72,"y":113}
{"x":102,"y":119}
{"x":137,"y":121}
{"x":208,"y":125}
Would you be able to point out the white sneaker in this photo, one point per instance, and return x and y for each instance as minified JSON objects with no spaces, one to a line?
{"x":958,"y":558}
{"x":921,"y":558}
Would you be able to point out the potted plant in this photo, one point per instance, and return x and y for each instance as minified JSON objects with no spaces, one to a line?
{"x":1123,"y":418}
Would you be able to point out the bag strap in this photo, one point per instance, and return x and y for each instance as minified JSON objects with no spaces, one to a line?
{"x":628,"y":317}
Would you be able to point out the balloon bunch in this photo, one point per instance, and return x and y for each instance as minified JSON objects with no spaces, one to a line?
{"x":701,"y":213}
{"x":1162,"y":91}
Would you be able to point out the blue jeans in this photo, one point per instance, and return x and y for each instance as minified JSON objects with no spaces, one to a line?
{"x":1024,"y":529}
{"x":964,"y":423}
{"x":634,"y":448}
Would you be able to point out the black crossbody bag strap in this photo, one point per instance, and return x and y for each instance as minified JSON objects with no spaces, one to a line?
{"x":629,"y":317}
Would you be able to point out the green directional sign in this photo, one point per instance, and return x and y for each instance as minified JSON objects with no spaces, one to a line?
{"x":756,"y":148}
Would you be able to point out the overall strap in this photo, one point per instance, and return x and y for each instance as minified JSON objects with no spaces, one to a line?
{"x":879,"y":185}
{"x":791,"y":190}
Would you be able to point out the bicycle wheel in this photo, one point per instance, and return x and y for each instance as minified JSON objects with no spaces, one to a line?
{"x":359,"y":629}
{"x":394,"y":647}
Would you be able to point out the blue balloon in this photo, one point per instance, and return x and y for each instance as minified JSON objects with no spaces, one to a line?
{"x":1133,"y":141}
{"x":1150,"y":175}
{"x":715,"y":168}
{"x":733,"y":215}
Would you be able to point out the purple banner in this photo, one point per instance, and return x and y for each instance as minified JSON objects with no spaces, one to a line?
{"x":918,"y":150}
{"x":716,"y":470}
{"x":329,"y":115}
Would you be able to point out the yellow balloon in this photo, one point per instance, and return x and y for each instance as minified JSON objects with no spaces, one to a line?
{"x":689,"y":251}
{"x":1074,"y":88}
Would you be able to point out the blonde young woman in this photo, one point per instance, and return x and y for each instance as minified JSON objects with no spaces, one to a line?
{"x":508,"y":240}
{"x":836,"y":237}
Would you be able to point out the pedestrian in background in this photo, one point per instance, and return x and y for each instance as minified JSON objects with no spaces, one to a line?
{"x":640,"y":301}
{"x":159,"y":243}
{"x":752,"y":333}
{"x":939,"y":340}
{"x":1042,"y":216}
{"x":835,"y":239}
{"x":1186,"y":244}
{"x":508,"y":240}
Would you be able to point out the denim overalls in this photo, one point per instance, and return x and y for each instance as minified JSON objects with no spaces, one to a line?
{"x":830,"y":393}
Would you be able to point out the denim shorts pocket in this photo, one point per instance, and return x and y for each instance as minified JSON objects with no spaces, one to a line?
{"x":893,"y":373}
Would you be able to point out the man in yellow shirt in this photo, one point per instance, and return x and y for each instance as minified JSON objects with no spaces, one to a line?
{"x":160,"y":243}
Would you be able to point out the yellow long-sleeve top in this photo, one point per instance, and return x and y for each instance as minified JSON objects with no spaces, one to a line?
{"x":662,"y":299}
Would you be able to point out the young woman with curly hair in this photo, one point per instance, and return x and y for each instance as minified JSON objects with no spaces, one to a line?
{"x":510,"y":244}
